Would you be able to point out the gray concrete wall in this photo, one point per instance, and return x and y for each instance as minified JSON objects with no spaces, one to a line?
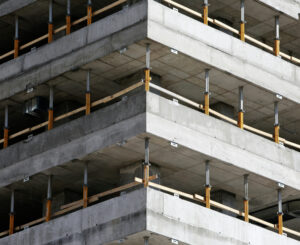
{"x":74,"y":140}
{"x":79,"y":48}
{"x":190,"y":223}
{"x":110,"y":220}
{"x":9,"y":6}
{"x":222,"y":141}
{"x":222,"y":51}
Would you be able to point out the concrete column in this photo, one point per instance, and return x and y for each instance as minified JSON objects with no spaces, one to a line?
{"x":147,"y":70}
{"x":206,"y":93}
{"x":241,"y":108}
{"x":277,"y":37}
{"x":50,"y":22}
{"x":242,"y":26}
{"x":68,"y":18}
{"x":16,"y":39}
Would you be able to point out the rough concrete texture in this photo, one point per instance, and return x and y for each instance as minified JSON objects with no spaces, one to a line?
{"x":70,"y":52}
{"x":222,"y":51}
{"x":9,"y":6}
{"x":74,"y":140}
{"x":192,"y":224}
{"x":288,"y":7}
{"x":223,"y":141}
{"x":110,"y":220}
{"x":151,"y":210}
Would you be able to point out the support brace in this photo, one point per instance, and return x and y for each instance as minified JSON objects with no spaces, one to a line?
{"x":276,"y":124}
{"x":277,"y":37}
{"x":49,"y":199}
{"x":146,"y":164}
{"x":206,"y":94}
{"x":280,"y":212}
{"x":12,"y":214}
{"x":89,"y":12}
{"x":246,"y":198}
{"x":88,"y":95}
{"x":85,"y":186}
{"x":207,"y":184}
{"x":205,"y":12}
{"x":242,"y":25}
{"x":5,"y":142}
{"x":68,"y":24}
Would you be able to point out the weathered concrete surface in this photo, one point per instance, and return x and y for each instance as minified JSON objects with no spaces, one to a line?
{"x":223,"y":141}
{"x":192,"y":224}
{"x":9,"y":6}
{"x":87,"y":44}
{"x":288,"y":7}
{"x":150,"y":210}
{"x":222,"y":51}
{"x":110,"y":220}
{"x":74,"y":140}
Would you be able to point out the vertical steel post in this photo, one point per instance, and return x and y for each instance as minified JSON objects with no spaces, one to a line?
{"x":241,"y":108}
{"x":207,"y":184}
{"x":280,"y":212}
{"x":49,"y":199}
{"x":12,"y":213}
{"x":50,"y":22}
{"x":89,"y":12}
{"x":246,"y":197}
{"x":146,"y":164}
{"x":85,"y":186}
{"x":277,"y":37}
{"x":242,"y":26}
{"x":16,"y":40}
{"x":88,"y":94}
{"x":5,"y":142}
{"x":68,"y":18}
{"x":206,"y":93}
{"x":50,"y":111}
{"x":276,"y":124}
{"x":205,"y":12}
{"x":147,"y":70}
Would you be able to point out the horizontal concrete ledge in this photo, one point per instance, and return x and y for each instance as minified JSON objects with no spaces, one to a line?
{"x":74,"y":140}
{"x":110,"y":220}
{"x":222,"y":51}
{"x":9,"y":6}
{"x":222,"y":141}
{"x":79,"y":48}
{"x":146,"y":210}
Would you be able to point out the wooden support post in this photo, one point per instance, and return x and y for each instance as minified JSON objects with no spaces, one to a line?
{"x":68,"y":18}
{"x":49,"y":199}
{"x":50,"y":111}
{"x":88,"y":95}
{"x":242,"y":25}
{"x":207,"y":184}
{"x":241,"y":108}
{"x":280,"y":211}
{"x":16,"y":48}
{"x":246,"y":198}
{"x":89,"y":12}
{"x":5,"y":142}
{"x":206,"y":93}
{"x":50,"y":23}
{"x":147,"y":70}
{"x":85,"y":186}
{"x":205,"y":12}
{"x":277,"y":37}
{"x":280,"y":224}
{"x":12,"y":213}
{"x":276,"y":124}
{"x":16,"y":40}
{"x":146,"y":164}
{"x":276,"y":133}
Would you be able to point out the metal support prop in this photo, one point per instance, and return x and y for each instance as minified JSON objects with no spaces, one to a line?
{"x":89,"y":12}
{"x":50,"y":23}
{"x":16,"y":40}
{"x":277,"y":37}
{"x":146,"y":240}
{"x":5,"y":142}
{"x":205,"y":12}
{"x":68,"y":18}
{"x":85,"y":186}
{"x":280,"y":212}
{"x":147,"y":70}
{"x":242,"y":26}
{"x":88,"y":94}
{"x":146,"y":164}
{"x":207,"y":184}
{"x":50,"y":111}
{"x":276,"y":124}
{"x":246,"y":198}
{"x":49,"y":199}
{"x":241,"y":108}
{"x":12,"y":213}
{"x":206,"y":93}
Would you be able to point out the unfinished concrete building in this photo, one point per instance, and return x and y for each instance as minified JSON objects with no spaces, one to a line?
{"x":150,"y":122}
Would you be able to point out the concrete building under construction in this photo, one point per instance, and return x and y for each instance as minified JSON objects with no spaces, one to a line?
{"x":150,"y":122}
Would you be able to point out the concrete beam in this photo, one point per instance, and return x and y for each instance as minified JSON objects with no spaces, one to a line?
{"x":10,"y":6}
{"x":222,"y":51}
{"x":72,"y":51}
{"x":146,"y":210}
{"x":74,"y":140}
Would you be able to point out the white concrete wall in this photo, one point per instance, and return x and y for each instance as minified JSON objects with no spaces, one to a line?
{"x":222,"y":141}
{"x":222,"y":51}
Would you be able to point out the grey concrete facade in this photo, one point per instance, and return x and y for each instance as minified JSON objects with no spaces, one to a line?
{"x":151,"y":210}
